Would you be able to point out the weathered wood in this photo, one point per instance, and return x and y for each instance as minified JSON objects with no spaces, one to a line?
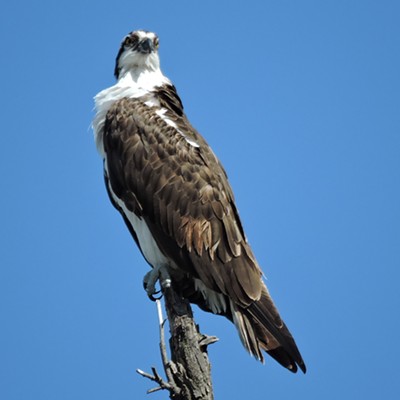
{"x":192,"y":369}
{"x":189,"y":371}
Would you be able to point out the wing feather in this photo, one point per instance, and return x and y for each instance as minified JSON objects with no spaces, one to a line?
{"x":183,"y":194}
{"x":184,"y":191}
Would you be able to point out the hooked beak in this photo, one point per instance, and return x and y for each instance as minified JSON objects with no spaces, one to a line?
{"x":146,"y":46}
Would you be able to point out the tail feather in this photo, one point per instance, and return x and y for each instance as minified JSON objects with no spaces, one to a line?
{"x":280,"y":355}
{"x":246,"y":332}
{"x":261,"y":328}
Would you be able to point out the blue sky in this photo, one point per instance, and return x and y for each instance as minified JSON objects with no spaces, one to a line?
{"x":300,"y":101}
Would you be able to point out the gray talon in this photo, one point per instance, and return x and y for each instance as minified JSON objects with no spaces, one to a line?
{"x":150,"y":279}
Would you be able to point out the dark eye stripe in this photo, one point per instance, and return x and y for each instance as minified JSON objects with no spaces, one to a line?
{"x":131,"y":40}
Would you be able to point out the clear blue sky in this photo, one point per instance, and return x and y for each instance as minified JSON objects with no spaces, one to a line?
{"x":301,"y":102}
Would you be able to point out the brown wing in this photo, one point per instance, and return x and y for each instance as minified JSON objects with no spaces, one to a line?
{"x":183,"y":193}
{"x":169,"y":176}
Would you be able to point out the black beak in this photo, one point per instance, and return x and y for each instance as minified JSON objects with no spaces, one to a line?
{"x":146,"y":46}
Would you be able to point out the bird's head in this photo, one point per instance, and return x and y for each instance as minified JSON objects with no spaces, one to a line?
{"x":138,"y":52}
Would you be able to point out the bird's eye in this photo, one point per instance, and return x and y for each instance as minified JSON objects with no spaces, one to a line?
{"x":128,"y":41}
{"x":156,"y":42}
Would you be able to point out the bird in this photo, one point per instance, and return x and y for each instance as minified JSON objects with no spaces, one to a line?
{"x":174,"y":196}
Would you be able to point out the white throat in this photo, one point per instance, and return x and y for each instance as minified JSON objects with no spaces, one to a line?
{"x":141,"y":79}
{"x":133,"y":83}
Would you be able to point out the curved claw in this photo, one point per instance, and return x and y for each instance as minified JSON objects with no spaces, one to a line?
{"x":151,"y":293}
{"x":153,"y":298}
{"x":149,"y":284}
{"x":159,"y":274}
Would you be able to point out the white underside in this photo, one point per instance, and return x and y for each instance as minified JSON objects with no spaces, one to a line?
{"x":148,"y":246}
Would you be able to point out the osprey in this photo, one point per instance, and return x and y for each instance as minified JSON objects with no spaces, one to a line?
{"x":175,"y":199}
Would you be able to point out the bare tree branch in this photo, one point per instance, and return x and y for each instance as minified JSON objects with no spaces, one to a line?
{"x":189,"y":371}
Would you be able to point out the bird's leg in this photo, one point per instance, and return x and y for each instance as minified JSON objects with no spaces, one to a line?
{"x":158,"y":273}
{"x":165,"y":278}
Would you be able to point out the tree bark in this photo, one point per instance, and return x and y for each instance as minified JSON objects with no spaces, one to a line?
{"x":191,"y":369}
